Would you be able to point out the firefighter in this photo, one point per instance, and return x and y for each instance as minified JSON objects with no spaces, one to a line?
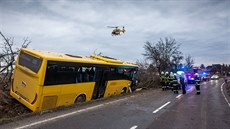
{"x":166,"y":80}
{"x":197,"y":83}
{"x":171,"y":76}
{"x":175,"y":84}
{"x":162,"y":78}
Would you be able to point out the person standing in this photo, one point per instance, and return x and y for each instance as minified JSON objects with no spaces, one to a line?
{"x":175,"y":84}
{"x":171,"y":76}
{"x":167,"y":80}
{"x":197,"y":83}
{"x":162,"y":80}
{"x":182,"y":82}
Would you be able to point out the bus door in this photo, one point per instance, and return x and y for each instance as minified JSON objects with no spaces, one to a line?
{"x":100,"y":85}
{"x":133,"y":79}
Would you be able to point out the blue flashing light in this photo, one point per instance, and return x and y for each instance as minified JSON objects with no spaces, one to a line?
{"x":204,"y":73}
{"x":180,"y":72}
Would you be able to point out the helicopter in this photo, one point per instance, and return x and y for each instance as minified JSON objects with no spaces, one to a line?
{"x":117,"y":31}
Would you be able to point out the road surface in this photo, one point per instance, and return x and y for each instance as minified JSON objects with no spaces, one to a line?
{"x":152,"y":109}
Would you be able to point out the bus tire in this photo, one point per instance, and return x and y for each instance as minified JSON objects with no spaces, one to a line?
{"x":80,"y":99}
{"x":123,"y":91}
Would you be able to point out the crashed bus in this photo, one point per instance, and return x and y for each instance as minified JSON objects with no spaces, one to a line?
{"x":45,"y":80}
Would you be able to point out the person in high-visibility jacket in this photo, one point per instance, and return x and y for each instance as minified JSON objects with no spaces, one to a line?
{"x":175,"y":84}
{"x":197,"y":83}
{"x":171,"y":76}
{"x":162,"y":79}
{"x":167,"y":82}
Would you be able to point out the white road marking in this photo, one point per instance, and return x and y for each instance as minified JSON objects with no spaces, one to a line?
{"x":224,"y":95}
{"x":178,"y":96}
{"x":190,"y":90}
{"x":134,"y":127}
{"x":139,"y":89}
{"x":71,"y":113}
{"x":158,"y":109}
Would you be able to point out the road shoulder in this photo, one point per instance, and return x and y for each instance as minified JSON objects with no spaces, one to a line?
{"x":226,"y":91}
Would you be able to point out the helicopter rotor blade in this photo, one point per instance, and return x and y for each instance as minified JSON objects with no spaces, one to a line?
{"x":112,"y":26}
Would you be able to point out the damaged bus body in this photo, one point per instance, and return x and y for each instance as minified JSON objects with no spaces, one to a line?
{"x":45,"y":80}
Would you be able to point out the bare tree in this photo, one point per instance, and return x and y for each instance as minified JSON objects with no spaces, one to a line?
{"x":202,"y":66}
{"x":147,"y":74}
{"x":164,"y":54}
{"x":176,"y":61}
{"x":189,"y":61}
{"x":7,"y":58}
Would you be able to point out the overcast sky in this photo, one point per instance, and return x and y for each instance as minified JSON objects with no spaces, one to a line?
{"x":202,"y":27}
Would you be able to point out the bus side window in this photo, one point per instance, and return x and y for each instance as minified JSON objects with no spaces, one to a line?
{"x":65,"y":75}
{"x":92,"y":74}
{"x":71,"y":74}
{"x":50,"y":75}
{"x":79,"y":74}
{"x":61,"y":75}
{"x":86,"y":75}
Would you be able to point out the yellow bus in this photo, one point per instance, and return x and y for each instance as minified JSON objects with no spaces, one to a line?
{"x":44,"y":80}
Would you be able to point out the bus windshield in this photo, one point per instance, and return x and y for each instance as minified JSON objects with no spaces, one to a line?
{"x":31,"y":62}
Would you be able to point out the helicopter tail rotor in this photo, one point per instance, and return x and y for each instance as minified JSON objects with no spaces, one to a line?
{"x":123,"y":29}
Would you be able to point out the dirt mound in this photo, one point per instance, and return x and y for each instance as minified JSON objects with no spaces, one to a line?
{"x":9,"y":107}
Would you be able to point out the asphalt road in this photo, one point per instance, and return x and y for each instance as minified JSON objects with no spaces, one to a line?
{"x":206,"y":111}
{"x":153,"y":109}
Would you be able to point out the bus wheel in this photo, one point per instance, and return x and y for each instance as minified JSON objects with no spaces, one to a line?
{"x":123,"y":91}
{"x":80,"y":99}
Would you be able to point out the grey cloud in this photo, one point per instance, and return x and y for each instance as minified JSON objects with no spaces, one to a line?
{"x":80,"y":26}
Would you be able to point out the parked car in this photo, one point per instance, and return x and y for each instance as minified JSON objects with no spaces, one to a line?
{"x":214,"y":77}
{"x":205,"y":78}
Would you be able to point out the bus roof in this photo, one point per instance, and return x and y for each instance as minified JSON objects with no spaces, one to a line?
{"x":93,"y":59}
